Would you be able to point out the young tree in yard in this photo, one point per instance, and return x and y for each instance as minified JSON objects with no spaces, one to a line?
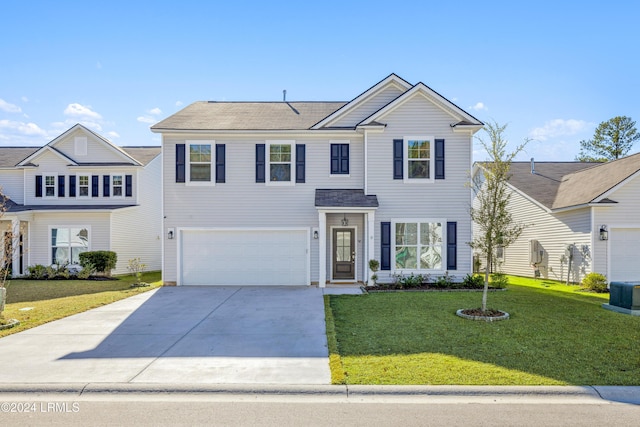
{"x":489,"y":212}
{"x":612,"y":140}
{"x":4,"y":262}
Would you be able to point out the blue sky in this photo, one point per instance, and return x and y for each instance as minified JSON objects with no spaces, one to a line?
{"x":551,"y":70}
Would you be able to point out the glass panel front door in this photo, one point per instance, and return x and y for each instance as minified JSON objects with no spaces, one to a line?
{"x":344,"y":255}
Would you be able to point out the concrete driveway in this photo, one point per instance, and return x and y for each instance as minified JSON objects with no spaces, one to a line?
{"x":184,"y":335}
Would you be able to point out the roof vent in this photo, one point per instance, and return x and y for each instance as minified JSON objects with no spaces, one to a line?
{"x":284,"y":95}
{"x":533,"y":166}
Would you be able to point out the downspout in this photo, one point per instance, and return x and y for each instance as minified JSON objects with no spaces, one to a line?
{"x":366,"y":162}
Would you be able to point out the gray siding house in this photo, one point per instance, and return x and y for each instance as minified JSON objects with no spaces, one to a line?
{"x":80,"y":193}
{"x":300,"y":193}
{"x":581,"y":217}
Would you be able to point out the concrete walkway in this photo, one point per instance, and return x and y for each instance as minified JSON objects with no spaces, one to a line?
{"x":186,"y":335}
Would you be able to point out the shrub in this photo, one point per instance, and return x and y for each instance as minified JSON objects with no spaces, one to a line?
{"x":87,"y":270}
{"x":102,"y":261}
{"x":595,"y":282}
{"x":136,"y":267}
{"x":444,"y":281}
{"x":498,"y":280}
{"x":473,"y":281}
{"x":37,"y":272}
{"x":410,"y":281}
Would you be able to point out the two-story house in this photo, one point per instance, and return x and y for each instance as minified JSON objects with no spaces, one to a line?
{"x":80,"y":193}
{"x":299,"y":193}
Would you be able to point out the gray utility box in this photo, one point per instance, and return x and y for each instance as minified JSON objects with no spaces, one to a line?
{"x":625,"y":295}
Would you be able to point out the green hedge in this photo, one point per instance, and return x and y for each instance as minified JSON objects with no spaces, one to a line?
{"x":102,"y":261}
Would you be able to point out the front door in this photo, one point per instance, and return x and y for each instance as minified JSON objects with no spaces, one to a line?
{"x":344,"y":254}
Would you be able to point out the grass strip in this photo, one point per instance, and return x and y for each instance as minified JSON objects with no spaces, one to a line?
{"x":335,"y":362}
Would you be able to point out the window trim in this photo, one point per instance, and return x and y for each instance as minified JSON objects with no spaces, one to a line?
{"x":69,"y":227}
{"x":212,"y":163}
{"x":405,"y":159}
{"x":443,"y":251}
{"x":78,"y":195}
{"x":346,"y":142}
{"x":113,"y":186}
{"x":44,"y":185}
{"x":292,"y":163}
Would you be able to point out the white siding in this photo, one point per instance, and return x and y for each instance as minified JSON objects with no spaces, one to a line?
{"x":11,"y":184}
{"x":136,"y":232}
{"x":368,"y":107}
{"x":241,"y":202}
{"x":554,"y":232}
{"x":447,"y":199}
{"x":97,"y":150}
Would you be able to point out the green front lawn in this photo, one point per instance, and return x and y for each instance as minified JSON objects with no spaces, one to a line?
{"x":47,"y":300}
{"x":556,"y":335}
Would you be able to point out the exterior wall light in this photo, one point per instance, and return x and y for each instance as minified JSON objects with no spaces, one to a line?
{"x":170,"y":234}
{"x":604,"y":234}
{"x":315,"y":234}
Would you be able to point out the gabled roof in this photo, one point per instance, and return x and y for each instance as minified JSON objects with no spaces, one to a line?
{"x":144,"y":155}
{"x":562,"y":185}
{"x":11,"y":156}
{"x":126,"y":158}
{"x":232,"y":116}
{"x":391,"y":79}
{"x":461,"y":117}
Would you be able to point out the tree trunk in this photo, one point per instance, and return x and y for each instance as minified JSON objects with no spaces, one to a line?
{"x":3,"y":296}
{"x":485,"y":290}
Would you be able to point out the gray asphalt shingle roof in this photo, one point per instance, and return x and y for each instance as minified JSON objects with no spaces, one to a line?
{"x":11,"y":156}
{"x":344,"y":199}
{"x":208,"y":115}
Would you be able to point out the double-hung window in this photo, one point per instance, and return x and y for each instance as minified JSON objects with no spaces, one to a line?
{"x":281,"y":157}
{"x":83,"y":186}
{"x":200,"y":159}
{"x":418,"y":245}
{"x":50,"y":185}
{"x":116,"y":186}
{"x":418,"y":158}
{"x":67,"y":243}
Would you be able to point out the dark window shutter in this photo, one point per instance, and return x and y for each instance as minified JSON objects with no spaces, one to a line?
{"x":61,"y":186}
{"x":220,"y":163}
{"x":180,"y":162}
{"x":340,"y":159}
{"x":128,"y":185}
{"x":95,"y":186}
{"x":398,"y":161}
{"x":72,"y":186}
{"x":385,"y":246}
{"x":452,"y":246}
{"x":106,"y":185}
{"x":260,"y":162}
{"x":439,"y":159}
{"x":38,"y":185}
{"x":300,"y":163}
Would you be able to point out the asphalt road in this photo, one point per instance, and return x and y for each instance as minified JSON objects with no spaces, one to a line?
{"x":185,"y":412}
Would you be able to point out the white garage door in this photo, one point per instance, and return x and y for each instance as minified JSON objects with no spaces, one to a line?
{"x":625,"y":246}
{"x":245,"y":257}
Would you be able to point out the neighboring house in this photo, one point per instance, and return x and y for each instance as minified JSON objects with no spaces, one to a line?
{"x":81,"y":193}
{"x":566,"y":205}
{"x":299,"y":193}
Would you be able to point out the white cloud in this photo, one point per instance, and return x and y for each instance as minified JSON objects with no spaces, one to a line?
{"x":78,"y":110}
{"x":9,"y":108}
{"x":112,"y":134}
{"x":179,"y":103}
{"x":559,"y":127}
{"x":479,"y":107}
{"x":146,"y":119}
{"x":24,"y":99}
{"x":155,"y":111}
{"x":21,"y":133}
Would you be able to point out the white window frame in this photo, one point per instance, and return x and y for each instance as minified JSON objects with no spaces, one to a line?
{"x":405,"y":159}
{"x":78,"y":186}
{"x":292,"y":175}
{"x":340,"y":142}
{"x":80,"y":145}
{"x":69,"y":227}
{"x":443,"y":261}
{"x":113,"y":185}
{"x":212,"y":165}
{"x":55,"y":185}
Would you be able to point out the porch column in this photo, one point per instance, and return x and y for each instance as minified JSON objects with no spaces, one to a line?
{"x":322,"y":244}
{"x":15,"y":247}
{"x":370,"y":243}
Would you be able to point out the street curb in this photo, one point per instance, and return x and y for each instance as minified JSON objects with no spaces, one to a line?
{"x":355,"y":393}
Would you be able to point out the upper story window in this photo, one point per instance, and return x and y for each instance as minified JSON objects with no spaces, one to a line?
{"x":50,"y":186}
{"x":83,"y":186}
{"x":281,"y":159}
{"x":418,"y":158}
{"x":419,"y":245}
{"x":339,"y":158}
{"x":200,"y":160}
{"x":116,"y":185}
